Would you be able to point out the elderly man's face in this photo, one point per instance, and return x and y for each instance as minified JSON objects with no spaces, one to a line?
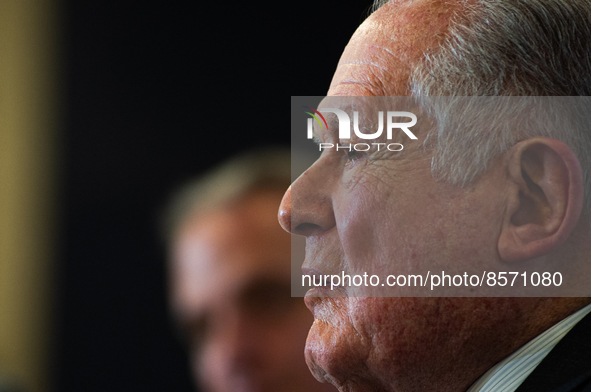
{"x":388,"y":209}
{"x":231,"y":294}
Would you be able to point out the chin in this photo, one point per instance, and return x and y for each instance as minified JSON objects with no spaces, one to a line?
{"x":328,"y":343}
{"x":336,"y":349}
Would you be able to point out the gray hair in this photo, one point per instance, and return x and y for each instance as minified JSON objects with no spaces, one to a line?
{"x":267,"y":168}
{"x":514,"y":48}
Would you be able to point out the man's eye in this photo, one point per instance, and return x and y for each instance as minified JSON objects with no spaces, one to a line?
{"x":353,"y":155}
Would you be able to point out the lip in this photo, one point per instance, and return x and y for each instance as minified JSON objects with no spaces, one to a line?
{"x":311,"y":302}
{"x":324,"y":290}
{"x":317,"y":294}
{"x":314,"y":295}
{"x":316,"y":291}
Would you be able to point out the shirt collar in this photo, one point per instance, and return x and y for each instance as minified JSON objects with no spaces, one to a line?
{"x":508,"y":374}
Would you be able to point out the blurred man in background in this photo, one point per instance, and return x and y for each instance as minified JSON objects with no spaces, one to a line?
{"x":230,"y":279}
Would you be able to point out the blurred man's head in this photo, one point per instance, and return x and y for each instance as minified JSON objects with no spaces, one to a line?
{"x":230,"y":279}
{"x":522,"y":202}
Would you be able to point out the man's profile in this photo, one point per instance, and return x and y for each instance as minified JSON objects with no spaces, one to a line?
{"x":230,"y":279}
{"x":458,"y":199}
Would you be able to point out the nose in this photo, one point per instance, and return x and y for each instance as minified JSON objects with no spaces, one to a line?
{"x":284,"y":214}
{"x":307,"y":206}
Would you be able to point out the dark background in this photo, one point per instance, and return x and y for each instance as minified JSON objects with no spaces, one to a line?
{"x":143,"y":82}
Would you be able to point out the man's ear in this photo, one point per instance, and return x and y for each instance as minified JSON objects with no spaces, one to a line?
{"x":546,"y":198}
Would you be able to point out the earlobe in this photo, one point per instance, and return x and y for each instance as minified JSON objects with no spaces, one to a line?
{"x":546,"y":198}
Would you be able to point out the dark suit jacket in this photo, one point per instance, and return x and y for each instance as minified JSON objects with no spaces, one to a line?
{"x":568,"y":366}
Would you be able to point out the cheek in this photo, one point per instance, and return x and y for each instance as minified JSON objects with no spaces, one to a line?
{"x":405,"y":335}
{"x":359,"y":212}
{"x":379,"y":232}
{"x":412,"y":230}
{"x":413,"y":334}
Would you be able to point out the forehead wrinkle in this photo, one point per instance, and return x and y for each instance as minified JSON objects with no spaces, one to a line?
{"x":370,"y":63}
{"x":385,"y":49}
{"x":372,"y":79}
{"x":381,"y":76}
{"x":363,"y":83}
{"x":394,"y":39}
